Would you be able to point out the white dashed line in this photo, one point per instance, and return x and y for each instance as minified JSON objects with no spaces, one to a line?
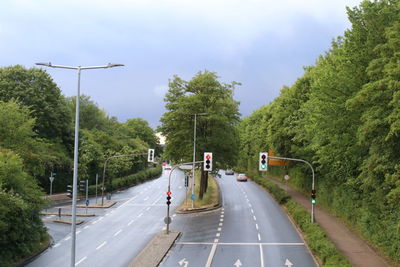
{"x":216,"y":240}
{"x":102,"y":244}
{"x":222,"y":215}
{"x":78,"y":232}
{"x":218,"y":235}
{"x":86,"y":227}
{"x":219,"y":229}
{"x":140,"y":215}
{"x":148,"y":208}
{"x":257,"y":226}
{"x":117,"y":233}
{"x":56,"y":245}
{"x":259,"y":237}
{"x":220,"y":224}
{"x":67,"y":238}
{"x":254,"y":217}
{"x":131,"y":222}
{"x":79,"y":262}
{"x":252,"y":211}
{"x":221,"y":220}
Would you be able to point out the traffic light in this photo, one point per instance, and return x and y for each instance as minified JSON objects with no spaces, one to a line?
{"x":168,"y":198}
{"x":207,"y":161}
{"x":150,"y":155}
{"x":82,"y":185}
{"x":69,"y":191}
{"x":186,"y":180}
{"x":263,"y":161}
{"x":313,"y":196}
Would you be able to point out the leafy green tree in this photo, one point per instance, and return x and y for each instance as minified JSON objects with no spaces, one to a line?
{"x":216,"y":132}
{"x":35,"y":89}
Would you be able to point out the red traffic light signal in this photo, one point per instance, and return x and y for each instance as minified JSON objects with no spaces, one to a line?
{"x":169,"y":193}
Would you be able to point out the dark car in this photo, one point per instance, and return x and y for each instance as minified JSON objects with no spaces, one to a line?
{"x":229,"y":172}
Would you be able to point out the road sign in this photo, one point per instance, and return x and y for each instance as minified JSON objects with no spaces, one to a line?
{"x":167,"y":220}
{"x":193,"y":197}
{"x":287,"y":177}
{"x":51,"y":179}
{"x":87,"y":202}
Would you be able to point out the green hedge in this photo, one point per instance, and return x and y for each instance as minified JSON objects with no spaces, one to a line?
{"x":129,"y":180}
{"x":315,"y":237}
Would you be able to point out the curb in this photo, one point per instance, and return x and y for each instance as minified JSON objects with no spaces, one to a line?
{"x":25,"y":261}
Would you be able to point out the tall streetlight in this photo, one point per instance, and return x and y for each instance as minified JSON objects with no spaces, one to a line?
{"x":75,"y":174}
{"x":194,"y":152}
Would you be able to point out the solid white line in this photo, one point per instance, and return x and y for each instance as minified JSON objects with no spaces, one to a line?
{"x":117,"y":233}
{"x":211,"y":256}
{"x":84,"y":258}
{"x":102,"y":244}
{"x":131,"y":222}
{"x":261,"y":256}
{"x":241,"y":244}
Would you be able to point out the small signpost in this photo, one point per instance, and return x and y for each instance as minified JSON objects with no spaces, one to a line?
{"x":51,"y":182}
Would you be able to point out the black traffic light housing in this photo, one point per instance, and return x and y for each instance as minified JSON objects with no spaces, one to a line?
{"x":168,"y":198}
{"x":313,"y":196}
{"x":69,"y":191}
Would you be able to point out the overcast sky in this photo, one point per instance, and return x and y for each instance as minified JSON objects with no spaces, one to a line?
{"x":262,"y":44}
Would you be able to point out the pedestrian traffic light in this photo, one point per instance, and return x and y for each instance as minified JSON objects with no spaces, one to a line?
{"x":207,"y":161}
{"x":186,"y":180}
{"x":168,"y":198}
{"x":313,"y":196}
{"x":150,"y":155}
{"x":263,"y":161}
{"x":69,"y":191}
{"x":82,"y":185}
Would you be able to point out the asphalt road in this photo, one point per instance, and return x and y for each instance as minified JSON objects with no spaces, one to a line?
{"x":117,"y":234}
{"x":249,"y":230}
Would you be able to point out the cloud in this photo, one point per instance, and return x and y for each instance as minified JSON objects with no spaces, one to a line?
{"x":160,"y":90}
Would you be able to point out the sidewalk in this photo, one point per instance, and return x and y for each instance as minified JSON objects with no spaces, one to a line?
{"x":350,"y":245}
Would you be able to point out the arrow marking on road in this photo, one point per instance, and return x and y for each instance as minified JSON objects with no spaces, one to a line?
{"x":183,"y":263}
{"x":288,"y":263}
{"x":237,"y":263}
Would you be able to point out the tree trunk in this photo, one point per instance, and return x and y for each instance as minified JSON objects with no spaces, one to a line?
{"x":203,"y":178}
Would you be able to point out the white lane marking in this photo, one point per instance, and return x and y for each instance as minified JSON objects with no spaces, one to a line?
{"x":223,"y":208}
{"x":140,"y":215}
{"x":101,"y":218}
{"x":56,"y":245}
{"x":220,"y":224}
{"x":101,"y":245}
{"x":218,"y":235}
{"x":257,"y":226}
{"x":252,"y":211}
{"x":148,"y":208}
{"x":222,"y":215}
{"x":259,"y":237}
{"x":174,"y":215}
{"x":78,"y":232}
{"x":86,"y":227}
{"x":250,"y":205}
{"x":261,"y":256}
{"x":180,"y":187}
{"x":219,"y":229}
{"x":254,"y":217}
{"x":157,"y":200}
{"x":79,"y":262}
{"x":164,"y":228}
{"x":117,"y":233}
{"x":241,"y":244}
{"x":146,"y":198}
{"x":221,"y":220}
{"x":211,"y":255}
{"x":107,"y":214}
{"x":131,"y":222}
{"x":222,"y":212}
{"x":215,"y":241}
{"x":67,"y":238}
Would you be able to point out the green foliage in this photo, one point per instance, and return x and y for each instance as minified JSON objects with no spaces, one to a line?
{"x":21,"y":228}
{"x":343,"y":117}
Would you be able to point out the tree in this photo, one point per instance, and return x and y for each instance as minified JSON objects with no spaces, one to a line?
{"x":35,"y":89}
{"x":216,"y":132}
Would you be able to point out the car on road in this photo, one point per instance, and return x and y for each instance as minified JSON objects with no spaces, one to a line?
{"x":229,"y":172}
{"x":241,"y":177}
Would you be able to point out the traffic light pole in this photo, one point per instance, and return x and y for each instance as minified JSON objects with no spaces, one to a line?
{"x":169,"y":188}
{"x":312,"y":170}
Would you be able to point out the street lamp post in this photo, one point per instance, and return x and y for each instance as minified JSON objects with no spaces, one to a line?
{"x":75,"y":173}
{"x":194,"y":153}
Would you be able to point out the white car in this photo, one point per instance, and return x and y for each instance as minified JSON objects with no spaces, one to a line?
{"x":241,"y":177}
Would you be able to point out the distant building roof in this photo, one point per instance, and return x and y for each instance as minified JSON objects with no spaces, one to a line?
{"x":161,"y":137}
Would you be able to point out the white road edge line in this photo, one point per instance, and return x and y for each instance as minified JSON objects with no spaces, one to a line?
{"x":84,"y":258}
{"x":56,"y":245}
{"x":131,"y":222}
{"x":102,"y":244}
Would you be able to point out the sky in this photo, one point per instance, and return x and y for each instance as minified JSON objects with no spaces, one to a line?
{"x":263,"y":44}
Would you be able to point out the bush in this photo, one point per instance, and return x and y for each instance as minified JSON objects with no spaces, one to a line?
{"x":315,"y":237}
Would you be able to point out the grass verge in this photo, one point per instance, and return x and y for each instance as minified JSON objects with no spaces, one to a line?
{"x":210,"y":198}
{"x":320,"y":245}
